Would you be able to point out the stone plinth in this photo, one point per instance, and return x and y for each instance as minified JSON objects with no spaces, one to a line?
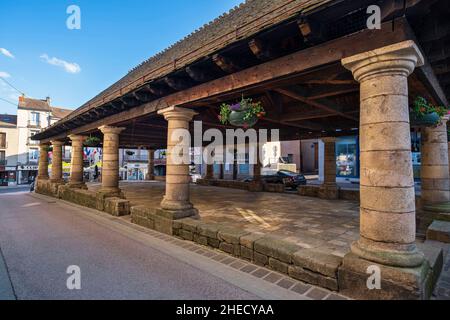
{"x":387,"y":211}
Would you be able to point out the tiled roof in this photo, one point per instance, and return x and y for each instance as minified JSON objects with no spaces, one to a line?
{"x":60,"y":112}
{"x":8,"y":120}
{"x":241,"y":22}
{"x":33,"y":104}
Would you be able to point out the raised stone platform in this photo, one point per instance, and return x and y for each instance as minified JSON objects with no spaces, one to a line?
{"x":439,"y":231}
{"x":113,"y":204}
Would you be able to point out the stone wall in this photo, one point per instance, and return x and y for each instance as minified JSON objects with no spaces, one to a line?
{"x":100,"y":201}
{"x":242,"y":185}
{"x":302,"y":264}
{"x":315,"y":191}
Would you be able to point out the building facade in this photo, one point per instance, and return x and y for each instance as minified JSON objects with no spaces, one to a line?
{"x":8,"y":149}
{"x":19,"y":154}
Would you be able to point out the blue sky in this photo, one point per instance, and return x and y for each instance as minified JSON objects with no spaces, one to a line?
{"x":41,"y":57}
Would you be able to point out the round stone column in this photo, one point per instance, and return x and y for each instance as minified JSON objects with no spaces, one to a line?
{"x":151,"y":165}
{"x":329,"y":167}
{"x":434,"y":168}
{"x":57,"y":161}
{"x":76,"y":162}
{"x":110,"y":159}
{"x":209,"y":171}
{"x":43,"y":162}
{"x":329,"y":189}
{"x":176,"y":198}
{"x":387,"y":211}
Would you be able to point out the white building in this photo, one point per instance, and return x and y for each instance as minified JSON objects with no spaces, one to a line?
{"x":8,"y":149}
{"x":22,"y":153}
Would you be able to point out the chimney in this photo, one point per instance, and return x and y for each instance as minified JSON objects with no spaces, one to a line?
{"x":21,"y":98}
{"x":48,"y":100}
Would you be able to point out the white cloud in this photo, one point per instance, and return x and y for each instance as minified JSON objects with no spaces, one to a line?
{"x":6,"y":53}
{"x":4,"y":74}
{"x":69,"y":67}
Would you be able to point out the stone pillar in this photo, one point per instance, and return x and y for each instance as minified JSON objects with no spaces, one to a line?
{"x":110,"y":160}
{"x":329,"y":189}
{"x":435,"y":168}
{"x":209,"y":171}
{"x":257,"y":172}
{"x":387,"y":210}
{"x":76,"y":162}
{"x":151,"y":165}
{"x":176,"y":203}
{"x":57,"y":161}
{"x":235,"y":164}
{"x":43,"y":162}
{"x":222,"y":171}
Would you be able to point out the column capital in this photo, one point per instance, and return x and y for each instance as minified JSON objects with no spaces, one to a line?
{"x":397,"y":59}
{"x":177,"y":113}
{"x":328,"y":139}
{"x":109,"y":129}
{"x":74,"y":137}
{"x":57,"y":143}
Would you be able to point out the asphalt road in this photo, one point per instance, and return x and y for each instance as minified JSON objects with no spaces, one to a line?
{"x":41,"y":237}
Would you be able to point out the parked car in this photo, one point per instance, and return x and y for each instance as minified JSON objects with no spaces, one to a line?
{"x":288,"y":178}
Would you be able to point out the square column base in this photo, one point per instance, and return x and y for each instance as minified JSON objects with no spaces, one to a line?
{"x":77,"y":185}
{"x":328,"y":192}
{"x":159,"y":219}
{"x":396,"y":283}
{"x":102,"y":194}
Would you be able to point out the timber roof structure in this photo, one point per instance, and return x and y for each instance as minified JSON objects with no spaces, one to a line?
{"x":286,"y":53}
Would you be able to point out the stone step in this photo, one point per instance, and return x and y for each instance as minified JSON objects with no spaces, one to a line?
{"x":433,"y":252}
{"x":439,"y":231}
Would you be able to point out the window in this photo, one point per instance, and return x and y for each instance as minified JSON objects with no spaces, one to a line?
{"x":2,"y":158}
{"x":33,"y":155}
{"x":347,"y":157}
{"x":3,"y":140}
{"x":35,"y":117}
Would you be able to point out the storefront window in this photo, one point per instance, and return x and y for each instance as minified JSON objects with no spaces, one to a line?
{"x":347,"y":157}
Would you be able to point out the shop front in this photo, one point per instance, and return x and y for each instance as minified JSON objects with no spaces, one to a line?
{"x":26,"y":174}
{"x":136,"y":171}
{"x":347,"y":157}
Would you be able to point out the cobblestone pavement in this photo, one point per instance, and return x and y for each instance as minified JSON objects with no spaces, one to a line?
{"x":328,"y":226}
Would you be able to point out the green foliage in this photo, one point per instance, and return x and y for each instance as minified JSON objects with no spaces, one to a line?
{"x":422,"y":107}
{"x":92,"y":142}
{"x":246,"y":105}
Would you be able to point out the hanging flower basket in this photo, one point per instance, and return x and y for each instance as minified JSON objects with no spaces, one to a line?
{"x":424,"y":114}
{"x":48,"y":149}
{"x":242,"y":114}
{"x":92,"y":142}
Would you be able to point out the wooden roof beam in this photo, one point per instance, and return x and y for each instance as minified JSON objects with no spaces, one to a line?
{"x":324,"y":105}
{"x":199,"y":74}
{"x":261,"y":50}
{"x":225,"y":63}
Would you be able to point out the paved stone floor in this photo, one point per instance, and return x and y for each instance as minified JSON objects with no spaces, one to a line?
{"x":327,"y":226}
